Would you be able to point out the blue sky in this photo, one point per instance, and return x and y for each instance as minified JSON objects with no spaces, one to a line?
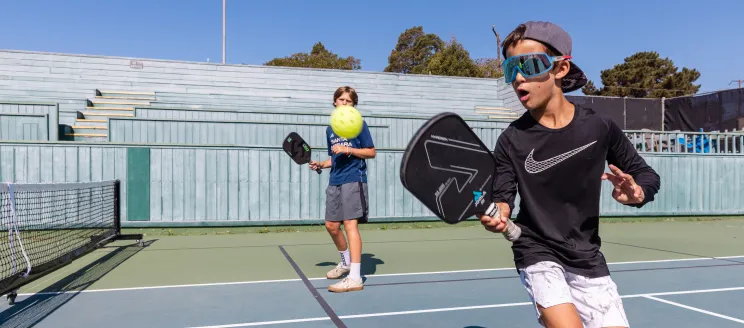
{"x":696,"y":34}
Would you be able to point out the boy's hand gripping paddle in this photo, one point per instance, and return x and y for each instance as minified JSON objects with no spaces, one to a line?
{"x":297,"y":149}
{"x":449,"y":169}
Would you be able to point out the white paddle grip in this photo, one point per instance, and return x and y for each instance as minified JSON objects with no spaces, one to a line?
{"x":512,"y":230}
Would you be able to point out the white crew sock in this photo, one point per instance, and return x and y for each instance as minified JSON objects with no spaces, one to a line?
{"x":345,"y":257}
{"x":355,"y":271}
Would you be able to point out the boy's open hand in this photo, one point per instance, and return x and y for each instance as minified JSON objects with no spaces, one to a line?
{"x":496,"y":224}
{"x":626,"y":190}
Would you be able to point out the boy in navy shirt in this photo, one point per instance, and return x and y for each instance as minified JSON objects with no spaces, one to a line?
{"x":555,"y":156}
{"x":347,"y":200}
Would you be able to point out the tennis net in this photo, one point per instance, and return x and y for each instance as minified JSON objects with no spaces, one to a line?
{"x":47,"y":226}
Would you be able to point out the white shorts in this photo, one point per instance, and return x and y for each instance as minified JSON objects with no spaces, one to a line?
{"x":596,"y":299}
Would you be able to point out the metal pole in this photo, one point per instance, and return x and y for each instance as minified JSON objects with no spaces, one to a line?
{"x":738,"y":93}
{"x":498,"y":43}
{"x":663,"y":101}
{"x":224,"y":5}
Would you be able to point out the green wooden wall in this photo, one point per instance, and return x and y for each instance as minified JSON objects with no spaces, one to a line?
{"x":51,"y":110}
{"x":401,"y":128}
{"x":243,"y":133}
{"x":24,"y":127}
{"x":189,"y":185}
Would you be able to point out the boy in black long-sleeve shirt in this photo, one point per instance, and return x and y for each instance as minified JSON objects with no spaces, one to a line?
{"x":555,"y":156}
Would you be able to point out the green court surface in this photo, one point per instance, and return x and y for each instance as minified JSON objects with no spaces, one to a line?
{"x":235,"y":254}
{"x":416,"y":265}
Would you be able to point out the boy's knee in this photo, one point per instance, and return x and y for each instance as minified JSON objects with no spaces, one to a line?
{"x":333,"y":227}
{"x":351,"y":226}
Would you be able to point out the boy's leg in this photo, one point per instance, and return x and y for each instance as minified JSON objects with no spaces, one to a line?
{"x":355,"y":202}
{"x":598,"y":302}
{"x":355,"y":248}
{"x":334,"y":217}
{"x":334,"y":229}
{"x":353,"y":205}
{"x":551,"y":295}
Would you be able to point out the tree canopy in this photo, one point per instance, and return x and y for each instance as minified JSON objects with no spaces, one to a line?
{"x":453,"y":60}
{"x":645,"y":75}
{"x":489,"y":68}
{"x":413,"y":51}
{"x":319,"y":57}
{"x":416,"y":52}
{"x":642,"y":75}
{"x":420,"y":53}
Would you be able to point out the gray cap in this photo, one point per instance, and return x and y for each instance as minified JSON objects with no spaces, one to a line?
{"x":557,"y":38}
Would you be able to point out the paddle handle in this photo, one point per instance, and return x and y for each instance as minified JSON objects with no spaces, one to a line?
{"x":512,"y":230}
{"x":319,"y":170}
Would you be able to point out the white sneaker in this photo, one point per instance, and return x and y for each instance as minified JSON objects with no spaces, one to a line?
{"x":346,"y":285}
{"x":338,"y":271}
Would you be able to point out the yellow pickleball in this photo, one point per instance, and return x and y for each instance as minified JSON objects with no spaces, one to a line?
{"x":346,"y":122}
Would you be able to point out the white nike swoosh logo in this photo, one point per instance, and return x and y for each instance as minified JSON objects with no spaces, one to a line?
{"x":533,"y":166}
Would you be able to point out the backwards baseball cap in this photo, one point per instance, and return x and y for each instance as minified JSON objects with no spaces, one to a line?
{"x":554,"y":36}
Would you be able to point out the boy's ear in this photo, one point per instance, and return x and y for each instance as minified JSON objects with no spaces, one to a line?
{"x":562,"y":68}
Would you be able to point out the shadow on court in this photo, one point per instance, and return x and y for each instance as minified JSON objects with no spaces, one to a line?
{"x":369,"y":264}
{"x":32,"y":310}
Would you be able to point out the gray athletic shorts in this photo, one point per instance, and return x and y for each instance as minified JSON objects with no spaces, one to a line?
{"x":346,"y":202}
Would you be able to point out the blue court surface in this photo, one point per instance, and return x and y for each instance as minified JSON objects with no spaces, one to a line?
{"x":687,"y":292}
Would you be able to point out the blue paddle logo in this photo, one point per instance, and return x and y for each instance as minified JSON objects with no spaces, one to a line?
{"x":478,"y":197}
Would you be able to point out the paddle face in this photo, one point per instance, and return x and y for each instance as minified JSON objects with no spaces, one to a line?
{"x":297,"y":149}
{"x":448,"y":168}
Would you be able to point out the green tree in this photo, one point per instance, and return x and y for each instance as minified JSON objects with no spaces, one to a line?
{"x":413,"y":51}
{"x":645,"y":75}
{"x":319,"y":57}
{"x":489,"y":68}
{"x":453,"y":60}
{"x":590,"y":89}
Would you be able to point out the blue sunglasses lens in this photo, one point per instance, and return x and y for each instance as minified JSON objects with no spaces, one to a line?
{"x":529,"y":65}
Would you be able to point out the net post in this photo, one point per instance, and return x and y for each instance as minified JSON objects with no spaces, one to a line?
{"x":117,"y":206}
{"x":117,"y":216}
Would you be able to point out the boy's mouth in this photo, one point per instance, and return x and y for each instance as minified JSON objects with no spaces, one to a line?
{"x":523,"y":94}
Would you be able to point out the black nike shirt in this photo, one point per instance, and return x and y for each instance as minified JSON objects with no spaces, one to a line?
{"x":558,"y":173}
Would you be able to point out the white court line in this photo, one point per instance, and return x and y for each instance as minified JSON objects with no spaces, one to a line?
{"x":505,"y":269}
{"x":685,"y":292}
{"x":264,"y":323}
{"x":475,"y":307}
{"x":165,"y":287}
{"x":372,"y":275}
{"x":680,"y":260}
{"x":383,"y":314}
{"x":695,"y":309}
{"x":437,"y":272}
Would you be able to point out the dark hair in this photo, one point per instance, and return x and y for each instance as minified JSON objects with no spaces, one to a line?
{"x":340,"y":91}
{"x":517,"y":35}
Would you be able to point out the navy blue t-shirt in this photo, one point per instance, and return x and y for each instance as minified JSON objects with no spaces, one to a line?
{"x":348,"y":168}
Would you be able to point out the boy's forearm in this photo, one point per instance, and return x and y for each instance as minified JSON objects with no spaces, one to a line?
{"x":624,"y":155}
{"x":364,"y":153}
{"x":504,"y":186}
